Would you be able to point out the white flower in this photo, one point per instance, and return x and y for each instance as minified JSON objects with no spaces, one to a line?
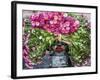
{"x":65,"y":14}
{"x":40,"y":37}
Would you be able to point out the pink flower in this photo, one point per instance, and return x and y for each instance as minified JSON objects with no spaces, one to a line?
{"x":67,"y":24}
{"x":76,"y":23}
{"x":33,"y":24}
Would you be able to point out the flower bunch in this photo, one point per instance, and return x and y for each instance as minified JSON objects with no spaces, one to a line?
{"x":54,"y":22}
{"x":26,"y":59}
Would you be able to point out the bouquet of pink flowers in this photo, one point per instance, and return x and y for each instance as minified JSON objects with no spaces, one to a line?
{"x":54,"y":22}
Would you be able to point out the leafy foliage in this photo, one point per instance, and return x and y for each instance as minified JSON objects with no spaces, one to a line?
{"x":40,"y":40}
{"x":80,"y":41}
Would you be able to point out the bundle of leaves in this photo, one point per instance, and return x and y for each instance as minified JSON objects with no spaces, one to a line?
{"x":80,"y":48}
